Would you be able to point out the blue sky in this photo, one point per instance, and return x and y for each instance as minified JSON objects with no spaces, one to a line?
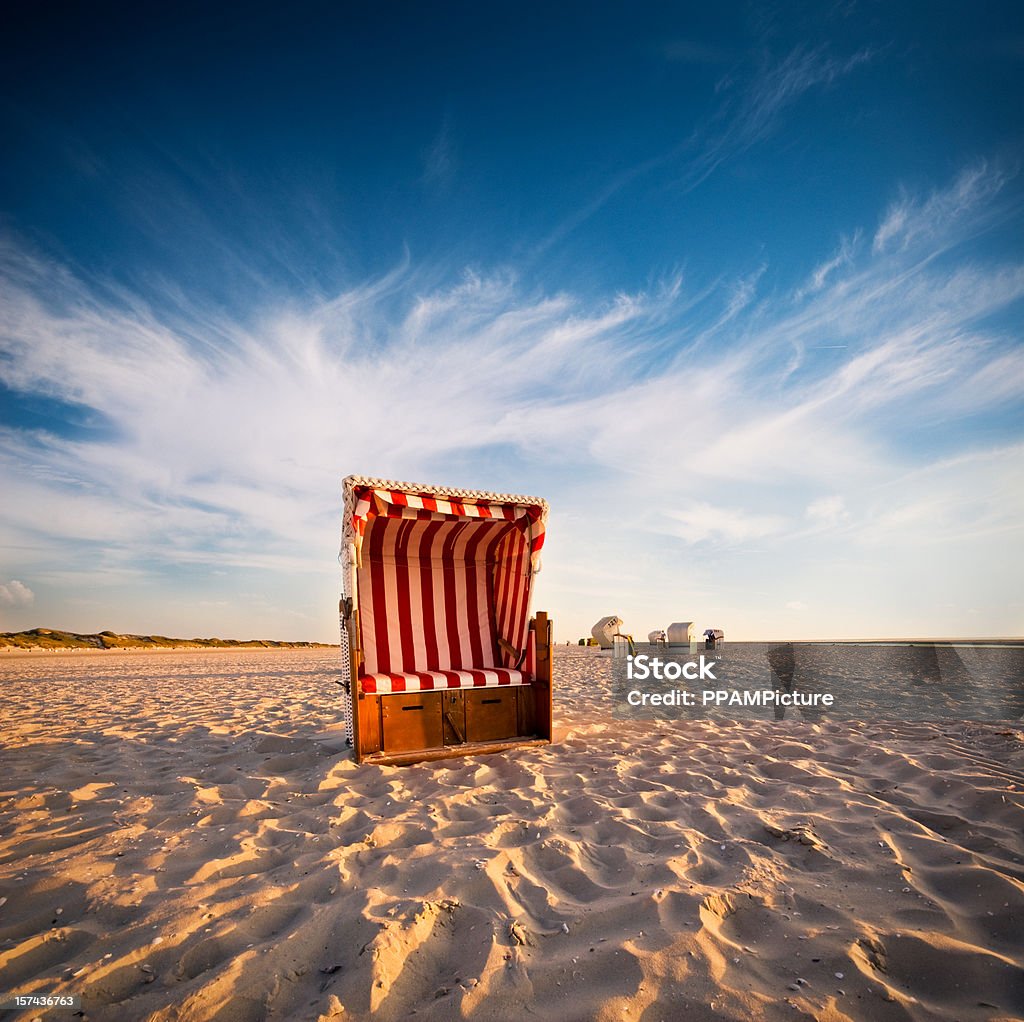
{"x":738,"y":290}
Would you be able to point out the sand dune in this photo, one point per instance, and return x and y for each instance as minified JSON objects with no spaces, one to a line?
{"x":183,"y":837}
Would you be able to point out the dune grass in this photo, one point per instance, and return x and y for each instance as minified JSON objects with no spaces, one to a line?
{"x":53,"y":638}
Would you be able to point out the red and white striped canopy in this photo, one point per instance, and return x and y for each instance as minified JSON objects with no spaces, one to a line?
{"x":440,"y":575}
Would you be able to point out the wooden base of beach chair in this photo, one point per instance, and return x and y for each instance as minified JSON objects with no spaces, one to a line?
{"x":410,"y":727}
{"x":451,"y":751}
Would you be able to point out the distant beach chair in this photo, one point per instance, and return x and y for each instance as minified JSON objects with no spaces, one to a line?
{"x":440,"y":656}
{"x":606,"y":629}
{"x":713,"y":638}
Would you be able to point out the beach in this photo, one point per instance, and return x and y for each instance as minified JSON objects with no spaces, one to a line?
{"x":184,"y":836}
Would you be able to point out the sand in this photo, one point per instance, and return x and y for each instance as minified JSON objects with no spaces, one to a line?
{"x":183,"y":836}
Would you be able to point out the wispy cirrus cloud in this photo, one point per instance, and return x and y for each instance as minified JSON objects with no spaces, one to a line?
{"x":843,"y":256}
{"x":746,"y":432}
{"x":752,"y":107}
{"x":700,"y":522}
{"x":440,"y":159}
{"x":914,"y":220}
{"x":754,"y":112}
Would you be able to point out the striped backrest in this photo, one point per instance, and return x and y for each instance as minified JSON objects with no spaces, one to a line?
{"x":439,"y":582}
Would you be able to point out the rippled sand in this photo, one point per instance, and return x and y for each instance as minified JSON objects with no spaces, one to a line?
{"x":183,"y":836}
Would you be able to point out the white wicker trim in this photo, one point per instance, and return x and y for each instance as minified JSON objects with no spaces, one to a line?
{"x":350,"y":482}
{"x":346,"y":675}
{"x":348,"y":538}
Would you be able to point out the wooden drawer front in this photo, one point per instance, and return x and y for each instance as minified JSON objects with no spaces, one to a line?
{"x":411,"y":721}
{"x":490,"y":714}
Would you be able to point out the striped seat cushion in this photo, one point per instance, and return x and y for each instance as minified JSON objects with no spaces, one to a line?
{"x":425,"y":681}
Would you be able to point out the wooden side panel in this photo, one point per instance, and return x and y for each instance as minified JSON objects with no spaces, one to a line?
{"x":367,"y":723}
{"x":541,"y":687}
{"x":454,"y":704}
{"x":491,"y":714}
{"x":411,"y":721}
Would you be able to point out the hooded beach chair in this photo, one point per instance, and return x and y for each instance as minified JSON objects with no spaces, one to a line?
{"x":440,"y":656}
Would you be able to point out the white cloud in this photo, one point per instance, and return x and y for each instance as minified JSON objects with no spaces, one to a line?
{"x":842,"y":257}
{"x":709,"y":413}
{"x":749,"y":114}
{"x":963,"y":500}
{"x":893,"y":226}
{"x":15,"y":594}
{"x":701,"y":522}
{"x":912,"y":220}
{"x":827,"y":510}
{"x":440,"y":160}
{"x":754,"y":115}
